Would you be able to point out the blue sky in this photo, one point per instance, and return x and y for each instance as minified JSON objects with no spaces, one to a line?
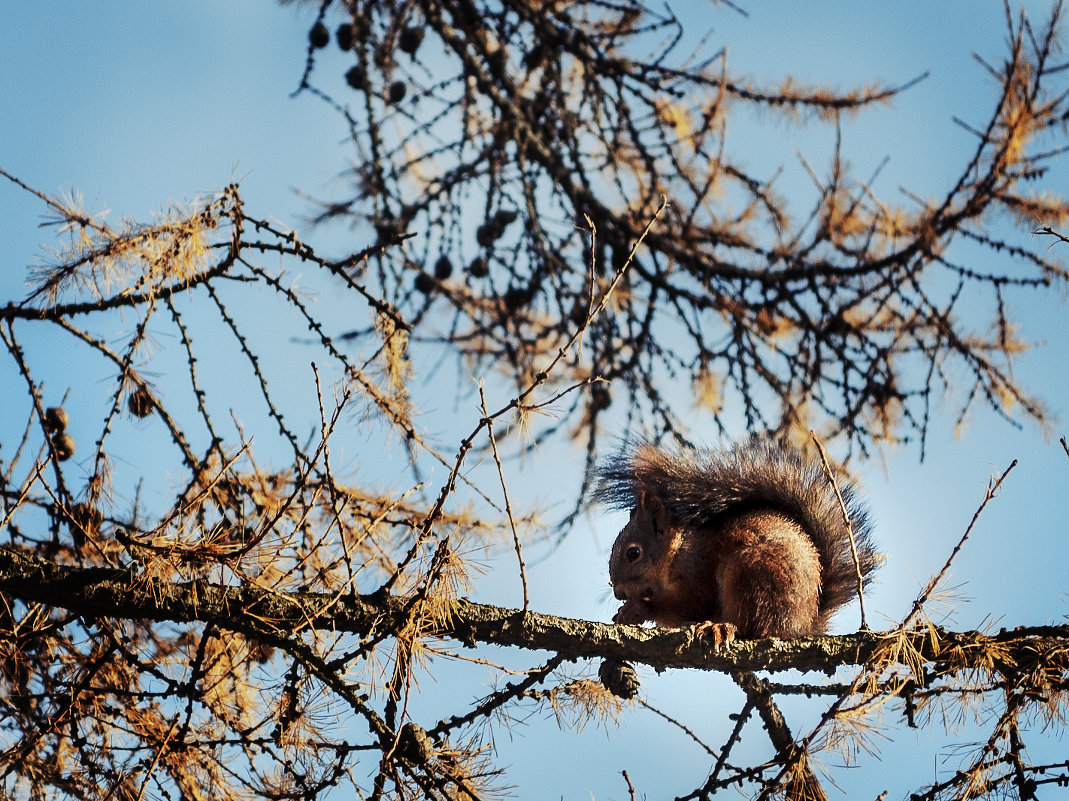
{"x":138,"y":104}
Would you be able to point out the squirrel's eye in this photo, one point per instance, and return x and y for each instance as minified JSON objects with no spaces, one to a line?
{"x":633,"y":553}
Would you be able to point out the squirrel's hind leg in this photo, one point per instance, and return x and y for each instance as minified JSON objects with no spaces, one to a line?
{"x":770,"y":585}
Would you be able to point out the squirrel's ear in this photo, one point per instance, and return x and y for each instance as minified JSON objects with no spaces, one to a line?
{"x":652,"y":507}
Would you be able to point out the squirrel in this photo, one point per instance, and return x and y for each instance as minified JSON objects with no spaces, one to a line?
{"x":748,"y":542}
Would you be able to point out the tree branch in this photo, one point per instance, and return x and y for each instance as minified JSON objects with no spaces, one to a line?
{"x":111,"y":592}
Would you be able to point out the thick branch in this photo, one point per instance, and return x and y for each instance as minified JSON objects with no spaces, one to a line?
{"x":123,"y":593}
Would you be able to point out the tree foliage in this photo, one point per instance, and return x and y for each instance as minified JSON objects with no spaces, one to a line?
{"x":550,"y":119}
{"x":203,"y":593}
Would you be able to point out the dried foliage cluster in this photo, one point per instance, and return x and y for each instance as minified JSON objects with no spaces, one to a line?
{"x":200,"y":598}
{"x":218,"y":698}
{"x":545,"y":117}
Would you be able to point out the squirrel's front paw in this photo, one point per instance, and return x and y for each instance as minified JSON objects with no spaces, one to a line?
{"x":719,"y":633}
{"x":633,"y":612}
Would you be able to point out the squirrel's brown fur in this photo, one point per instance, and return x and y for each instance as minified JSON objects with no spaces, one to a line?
{"x":749,"y":541}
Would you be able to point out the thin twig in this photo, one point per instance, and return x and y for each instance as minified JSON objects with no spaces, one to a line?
{"x":849,"y":526}
{"x":505,"y":494}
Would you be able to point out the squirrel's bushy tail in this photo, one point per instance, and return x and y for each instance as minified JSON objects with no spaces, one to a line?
{"x":701,"y":487}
